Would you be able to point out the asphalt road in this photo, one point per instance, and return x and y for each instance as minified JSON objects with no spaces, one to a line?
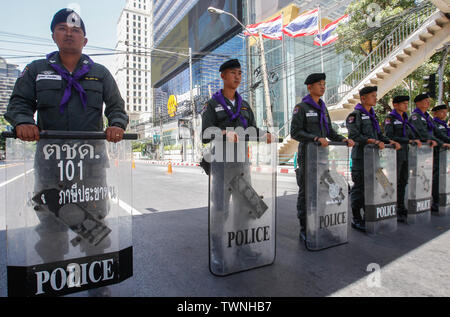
{"x":170,"y":241}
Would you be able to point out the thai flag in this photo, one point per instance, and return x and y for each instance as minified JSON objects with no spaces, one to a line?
{"x":303,"y":25}
{"x":329,"y":34}
{"x":270,"y":29}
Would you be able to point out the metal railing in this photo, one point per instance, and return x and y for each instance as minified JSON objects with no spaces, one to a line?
{"x":411,"y":23}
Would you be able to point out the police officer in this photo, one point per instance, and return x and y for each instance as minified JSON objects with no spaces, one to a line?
{"x":67,"y":90}
{"x":439,"y":117}
{"x":398,"y":128}
{"x":427,"y":128}
{"x":311,"y":123}
{"x":225,"y":111}
{"x":363,"y":128}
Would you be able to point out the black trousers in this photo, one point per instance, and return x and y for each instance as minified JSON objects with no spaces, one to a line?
{"x":357,"y":193}
{"x":402,"y":181}
{"x":435,"y":188}
{"x":301,"y":198}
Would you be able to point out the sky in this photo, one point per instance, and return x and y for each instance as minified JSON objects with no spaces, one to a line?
{"x":32,"y":18}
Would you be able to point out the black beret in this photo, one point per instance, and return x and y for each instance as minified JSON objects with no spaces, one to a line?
{"x":421,"y":97}
{"x":232,"y":63}
{"x":440,"y":107}
{"x":314,"y":78}
{"x":398,"y":99}
{"x":67,"y":16}
{"x":367,"y":90}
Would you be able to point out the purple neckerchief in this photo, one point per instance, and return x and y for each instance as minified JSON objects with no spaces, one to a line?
{"x":322,"y":108}
{"x":72,"y":80}
{"x":444,"y":124}
{"x":403,"y":120}
{"x":372,"y":116}
{"x":425,"y":115}
{"x":220,"y":98}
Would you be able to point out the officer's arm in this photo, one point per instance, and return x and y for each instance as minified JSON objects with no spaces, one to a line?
{"x":354,"y":123}
{"x":22,"y":104}
{"x":333,"y":135}
{"x":298,"y":131}
{"x":252,"y":123}
{"x":208,"y":120}
{"x":441,"y":135}
{"x":114,"y":104}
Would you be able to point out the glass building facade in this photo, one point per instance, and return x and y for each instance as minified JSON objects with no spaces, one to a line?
{"x":290,"y":61}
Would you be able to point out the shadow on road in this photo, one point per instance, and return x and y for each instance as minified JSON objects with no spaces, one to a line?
{"x":171,"y":257}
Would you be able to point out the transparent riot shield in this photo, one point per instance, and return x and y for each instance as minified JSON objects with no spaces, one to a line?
{"x":380,"y":189}
{"x":326,"y":195}
{"x":444,"y":183}
{"x":242,"y":196}
{"x":67,"y":230}
{"x":418,"y":197}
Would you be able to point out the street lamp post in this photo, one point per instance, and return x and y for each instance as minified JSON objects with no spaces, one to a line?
{"x":262,"y":56}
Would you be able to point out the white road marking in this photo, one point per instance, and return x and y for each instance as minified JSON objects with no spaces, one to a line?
{"x":16,"y":178}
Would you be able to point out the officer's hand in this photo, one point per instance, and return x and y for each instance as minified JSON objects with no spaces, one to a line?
{"x":114,"y":134}
{"x":270,"y":138}
{"x":27,"y":132}
{"x":350,"y":142}
{"x":396,"y":144}
{"x":380,"y":144}
{"x":323,"y":142}
{"x":447,"y":145}
{"x":232,"y":137}
{"x":432,"y":143}
{"x":419,"y":144}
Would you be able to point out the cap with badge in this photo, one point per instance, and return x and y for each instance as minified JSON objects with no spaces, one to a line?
{"x":314,"y":78}
{"x":367,"y":90}
{"x":398,"y":99}
{"x":68,"y":16}
{"x":421,"y":97}
{"x":232,"y":63}
{"x":439,"y":107}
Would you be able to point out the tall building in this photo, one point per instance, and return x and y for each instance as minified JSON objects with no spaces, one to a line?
{"x":133,"y":62}
{"x":8,"y":76}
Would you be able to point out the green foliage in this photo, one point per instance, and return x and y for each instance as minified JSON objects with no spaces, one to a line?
{"x":358,"y":38}
{"x":360,"y":35}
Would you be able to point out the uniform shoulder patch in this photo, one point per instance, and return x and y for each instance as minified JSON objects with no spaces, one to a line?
{"x":23,"y":72}
{"x":296,"y":109}
{"x":351,"y":118}
{"x":387,"y":121}
{"x":414,"y":117}
{"x":204,"y":108}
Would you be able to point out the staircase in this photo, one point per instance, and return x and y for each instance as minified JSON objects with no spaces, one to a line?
{"x":410,"y":44}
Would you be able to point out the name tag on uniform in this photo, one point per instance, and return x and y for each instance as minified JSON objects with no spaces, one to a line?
{"x":50,"y":77}
{"x":441,"y":127}
{"x":219,"y":109}
{"x":311,"y":114}
{"x":365,"y":117}
{"x":397,"y":122}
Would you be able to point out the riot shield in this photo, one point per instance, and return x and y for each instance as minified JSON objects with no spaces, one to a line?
{"x":444,"y":183}
{"x":380,"y":189}
{"x":242,"y":198}
{"x":326,"y":195}
{"x":418,"y":197}
{"x":67,"y":230}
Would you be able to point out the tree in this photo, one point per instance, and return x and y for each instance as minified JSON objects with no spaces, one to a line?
{"x":370,"y":21}
{"x":3,"y":125}
{"x":359,"y":37}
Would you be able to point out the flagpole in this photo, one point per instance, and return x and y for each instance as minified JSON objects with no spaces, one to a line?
{"x":320,"y":37}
